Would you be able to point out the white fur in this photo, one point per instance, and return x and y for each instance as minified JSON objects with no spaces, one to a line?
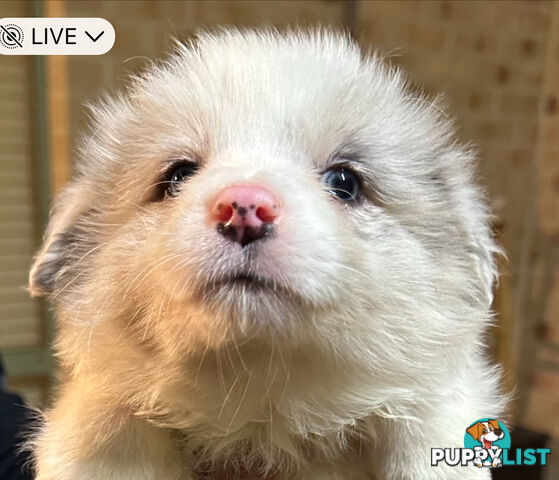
{"x":371,"y":345}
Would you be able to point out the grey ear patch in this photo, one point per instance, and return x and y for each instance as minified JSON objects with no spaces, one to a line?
{"x":43,"y":276}
{"x":52,"y":265}
{"x":57,"y":265}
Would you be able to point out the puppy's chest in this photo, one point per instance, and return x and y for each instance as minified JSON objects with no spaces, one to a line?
{"x":256,"y":449}
{"x":307,"y":459}
{"x":244,"y":425}
{"x":233,"y":473}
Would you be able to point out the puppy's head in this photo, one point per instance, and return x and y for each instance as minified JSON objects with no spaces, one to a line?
{"x":272,"y":187}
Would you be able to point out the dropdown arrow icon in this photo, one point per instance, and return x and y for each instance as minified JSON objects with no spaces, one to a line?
{"x":94,"y":39}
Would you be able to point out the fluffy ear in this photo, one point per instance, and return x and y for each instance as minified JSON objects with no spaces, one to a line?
{"x":474,"y":431}
{"x":60,"y":242}
{"x":457,"y":171}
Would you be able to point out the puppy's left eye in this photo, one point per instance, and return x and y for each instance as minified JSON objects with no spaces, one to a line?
{"x":343,"y":182}
{"x":177,"y":175}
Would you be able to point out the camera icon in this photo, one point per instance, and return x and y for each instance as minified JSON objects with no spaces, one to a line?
{"x":11,"y":36}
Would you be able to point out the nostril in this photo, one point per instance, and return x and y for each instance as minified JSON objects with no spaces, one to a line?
{"x":266,"y":214}
{"x":223,"y":213}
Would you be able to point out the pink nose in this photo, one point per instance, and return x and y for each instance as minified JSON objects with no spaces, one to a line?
{"x":244,"y":213}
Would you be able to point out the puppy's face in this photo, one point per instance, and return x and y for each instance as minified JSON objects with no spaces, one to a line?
{"x":276,"y":189}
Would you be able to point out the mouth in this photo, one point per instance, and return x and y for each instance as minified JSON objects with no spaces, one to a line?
{"x":249,"y":293}
{"x":247,"y":282}
{"x":487,"y":444}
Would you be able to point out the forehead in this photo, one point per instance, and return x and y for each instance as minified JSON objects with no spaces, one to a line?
{"x":236,"y":91}
{"x":279,"y":99}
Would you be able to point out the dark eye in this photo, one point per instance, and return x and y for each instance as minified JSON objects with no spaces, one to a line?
{"x":178,"y":174}
{"x":343,"y":183}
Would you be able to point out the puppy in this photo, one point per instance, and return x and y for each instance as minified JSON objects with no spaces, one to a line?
{"x":273,"y":263}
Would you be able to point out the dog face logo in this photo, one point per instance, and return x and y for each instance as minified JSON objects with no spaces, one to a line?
{"x":486,"y":432}
{"x":487,"y":437}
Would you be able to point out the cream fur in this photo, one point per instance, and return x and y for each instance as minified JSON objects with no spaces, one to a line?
{"x":369,"y":350}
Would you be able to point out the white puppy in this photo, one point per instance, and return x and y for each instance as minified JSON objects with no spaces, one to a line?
{"x":272,"y":264}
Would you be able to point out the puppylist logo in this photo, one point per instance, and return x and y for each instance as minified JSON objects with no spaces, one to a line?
{"x":487,"y":443}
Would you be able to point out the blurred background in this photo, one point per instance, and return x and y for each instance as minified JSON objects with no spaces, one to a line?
{"x":496,"y":61}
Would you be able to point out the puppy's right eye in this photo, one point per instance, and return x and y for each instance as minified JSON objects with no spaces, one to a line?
{"x":178,"y":173}
{"x":343,"y":183}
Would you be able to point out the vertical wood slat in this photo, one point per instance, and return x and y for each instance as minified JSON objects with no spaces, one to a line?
{"x":58,"y":109}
